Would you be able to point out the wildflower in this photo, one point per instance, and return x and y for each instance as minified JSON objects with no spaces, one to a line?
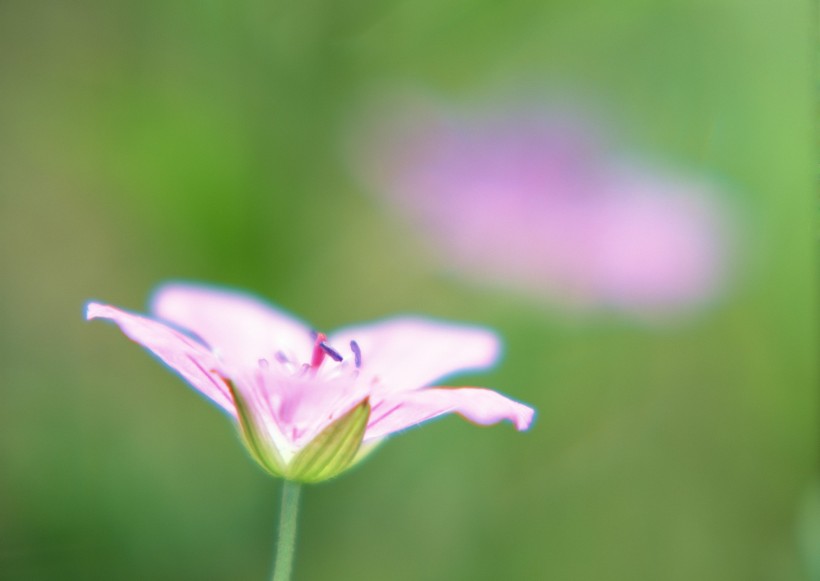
{"x":535,"y":201}
{"x":310,"y":405}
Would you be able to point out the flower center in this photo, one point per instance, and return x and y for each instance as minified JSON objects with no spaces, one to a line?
{"x":357,"y":353}
{"x":322,"y":348}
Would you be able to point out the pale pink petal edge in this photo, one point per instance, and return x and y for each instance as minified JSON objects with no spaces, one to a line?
{"x":481,"y":406}
{"x":187,"y":357}
{"x":243,"y":328}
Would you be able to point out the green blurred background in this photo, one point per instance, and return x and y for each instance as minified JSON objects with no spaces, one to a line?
{"x":148,"y":140}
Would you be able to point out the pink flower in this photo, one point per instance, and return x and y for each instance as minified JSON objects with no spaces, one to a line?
{"x":535,"y":201}
{"x":308,"y":405}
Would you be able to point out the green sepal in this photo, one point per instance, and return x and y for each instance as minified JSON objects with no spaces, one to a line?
{"x":366,"y":450}
{"x":256,"y":437}
{"x":333,"y":450}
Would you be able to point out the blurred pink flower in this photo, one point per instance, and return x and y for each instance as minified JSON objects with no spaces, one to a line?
{"x":536,"y":201}
{"x":309,"y":405}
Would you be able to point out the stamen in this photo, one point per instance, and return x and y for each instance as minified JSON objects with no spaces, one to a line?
{"x":281,"y":357}
{"x":318,"y":352}
{"x":357,"y":353}
{"x":263,"y":363}
{"x":330,"y":351}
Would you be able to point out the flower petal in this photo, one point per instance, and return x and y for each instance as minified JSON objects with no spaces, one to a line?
{"x":193,"y":361}
{"x":241,"y":328}
{"x":482,"y":406}
{"x":407,"y":353}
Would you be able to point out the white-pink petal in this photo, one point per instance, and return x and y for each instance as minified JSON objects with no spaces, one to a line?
{"x":239,"y":327}
{"x":482,"y":406}
{"x":408,"y":353}
{"x":192,"y":360}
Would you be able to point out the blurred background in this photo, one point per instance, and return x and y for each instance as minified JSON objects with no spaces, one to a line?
{"x":142,"y":141}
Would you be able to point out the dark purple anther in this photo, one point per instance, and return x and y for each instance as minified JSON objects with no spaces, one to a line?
{"x":357,"y":353}
{"x":331,"y":352}
{"x":281,"y":357}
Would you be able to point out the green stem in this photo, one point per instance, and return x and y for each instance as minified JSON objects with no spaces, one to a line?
{"x":287,"y":531}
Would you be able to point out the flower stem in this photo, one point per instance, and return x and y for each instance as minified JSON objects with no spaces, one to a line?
{"x":287,"y":531}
